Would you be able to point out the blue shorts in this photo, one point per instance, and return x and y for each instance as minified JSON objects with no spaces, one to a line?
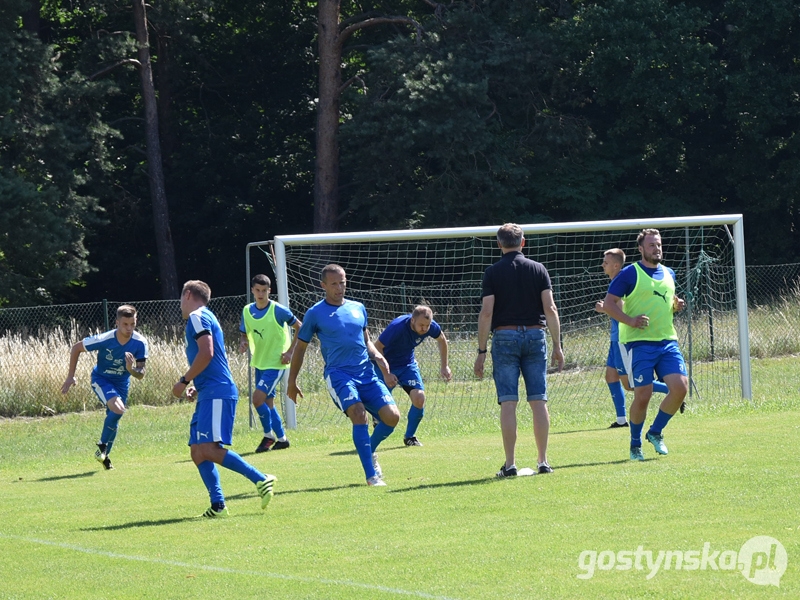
{"x":106,"y":391}
{"x":615,"y":358}
{"x":212,"y":421}
{"x":346,"y":390}
{"x":267,"y":380}
{"x":516,"y":353}
{"x":408,"y":377}
{"x":665,"y":359}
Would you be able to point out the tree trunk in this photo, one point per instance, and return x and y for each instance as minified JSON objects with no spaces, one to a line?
{"x":326,"y":173}
{"x":164,"y":246}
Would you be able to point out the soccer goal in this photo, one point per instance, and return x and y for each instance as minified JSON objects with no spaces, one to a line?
{"x":391,"y":271}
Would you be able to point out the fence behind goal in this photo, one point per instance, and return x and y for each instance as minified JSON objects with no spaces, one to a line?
{"x":392,"y":271}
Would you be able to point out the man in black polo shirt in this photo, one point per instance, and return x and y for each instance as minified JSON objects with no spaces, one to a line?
{"x":517,"y":306}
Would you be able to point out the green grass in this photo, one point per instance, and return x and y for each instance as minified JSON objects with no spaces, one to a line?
{"x":443,"y":528}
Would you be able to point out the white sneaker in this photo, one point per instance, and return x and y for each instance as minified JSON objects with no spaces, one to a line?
{"x":376,"y":481}
{"x":376,"y":466}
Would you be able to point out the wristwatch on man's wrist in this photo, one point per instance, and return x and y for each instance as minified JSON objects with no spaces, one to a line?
{"x":481,"y":351}
{"x":183,"y":380}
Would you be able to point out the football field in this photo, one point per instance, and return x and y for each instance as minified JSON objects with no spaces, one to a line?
{"x":717,"y":517}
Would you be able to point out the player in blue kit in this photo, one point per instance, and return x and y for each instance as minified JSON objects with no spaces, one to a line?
{"x":616,"y":374}
{"x":121,"y":354}
{"x":216,"y":394}
{"x":647,"y":330}
{"x":341,"y":327}
{"x":264,"y":330}
{"x":397,"y":344}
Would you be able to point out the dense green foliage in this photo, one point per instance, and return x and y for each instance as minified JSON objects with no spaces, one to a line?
{"x":501,"y":110}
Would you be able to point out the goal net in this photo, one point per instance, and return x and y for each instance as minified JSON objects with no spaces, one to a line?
{"x":392,"y":271}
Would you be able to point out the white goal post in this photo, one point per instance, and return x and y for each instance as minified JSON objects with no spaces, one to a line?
{"x":390,"y":271}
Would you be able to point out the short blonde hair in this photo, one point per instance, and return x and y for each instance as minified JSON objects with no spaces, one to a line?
{"x":198,"y":289}
{"x":617,"y":253}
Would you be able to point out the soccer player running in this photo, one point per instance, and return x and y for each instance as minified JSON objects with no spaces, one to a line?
{"x":517,"y":304}
{"x":397,"y":344}
{"x":264,"y":329}
{"x":216,"y":394}
{"x":647,"y":330}
{"x":121,"y":354}
{"x":341,"y":327}
{"x":616,"y":376}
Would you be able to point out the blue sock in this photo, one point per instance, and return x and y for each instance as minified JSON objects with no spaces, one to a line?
{"x":236,"y":463}
{"x":660,"y":387}
{"x":380,"y":433}
{"x":414,"y":417}
{"x":660,"y":422}
{"x":109,"y":433}
{"x":364,"y":449}
{"x":265,"y":416}
{"x":277,"y":423}
{"x":210,"y":476}
{"x":618,"y":396}
{"x":636,"y":434}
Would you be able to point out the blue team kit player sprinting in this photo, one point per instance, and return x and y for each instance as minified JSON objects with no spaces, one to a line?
{"x":341,"y":327}
{"x":121,"y":354}
{"x":212,"y":423}
{"x":397,"y":344}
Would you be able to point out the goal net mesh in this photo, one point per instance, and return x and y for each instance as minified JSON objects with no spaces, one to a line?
{"x":391,"y":277}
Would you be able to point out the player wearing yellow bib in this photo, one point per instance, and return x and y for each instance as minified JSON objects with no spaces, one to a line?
{"x":264,"y":330}
{"x":646,"y":328}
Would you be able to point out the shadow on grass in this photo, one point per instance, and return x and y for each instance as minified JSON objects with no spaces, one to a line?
{"x":353,"y":451}
{"x":133,"y":524}
{"x":73,"y":476}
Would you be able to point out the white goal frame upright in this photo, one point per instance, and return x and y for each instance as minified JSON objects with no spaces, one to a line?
{"x":735,"y":220}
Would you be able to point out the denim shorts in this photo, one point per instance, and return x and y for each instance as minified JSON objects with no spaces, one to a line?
{"x":516,"y":353}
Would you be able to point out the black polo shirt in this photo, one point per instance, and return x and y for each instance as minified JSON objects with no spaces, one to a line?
{"x":517,"y":284}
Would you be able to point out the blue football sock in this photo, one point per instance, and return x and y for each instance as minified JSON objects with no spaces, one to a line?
{"x":618,"y":396}
{"x":109,"y":433}
{"x":414,"y":417}
{"x":210,"y":476}
{"x":265,"y":416}
{"x":660,"y":422}
{"x":660,"y":387}
{"x":636,"y":434}
{"x":277,"y":423}
{"x":236,"y":463}
{"x":364,"y":449}
{"x":380,"y":433}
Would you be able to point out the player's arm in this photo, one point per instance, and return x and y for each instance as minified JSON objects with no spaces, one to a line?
{"x":553,"y":326}
{"x":133,"y":366}
{"x":205,"y":352}
{"x":388,"y":377}
{"x":243,"y":343}
{"x":286,"y":357}
{"x":292,"y":390}
{"x":484,"y":327}
{"x":614,"y":310}
{"x":74,"y":354}
{"x":444,"y":366}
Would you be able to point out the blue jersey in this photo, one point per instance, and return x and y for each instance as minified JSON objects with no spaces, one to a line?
{"x":340,"y":330}
{"x":215,"y":381}
{"x":111,"y":355}
{"x":399,"y":341}
{"x":282,"y":315}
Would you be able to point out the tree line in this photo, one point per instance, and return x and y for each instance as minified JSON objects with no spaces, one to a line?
{"x":145,"y":144}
